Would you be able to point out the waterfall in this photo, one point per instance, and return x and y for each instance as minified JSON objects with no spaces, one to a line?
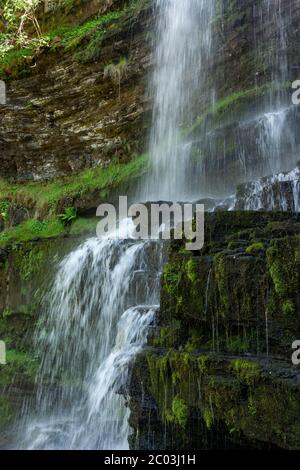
{"x":106,"y":292}
{"x":257,"y":135}
{"x":99,"y":310}
{"x":182,"y":57}
{"x":279,"y":192}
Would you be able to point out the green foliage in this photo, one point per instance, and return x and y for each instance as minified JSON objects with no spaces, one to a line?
{"x":238,"y":344}
{"x":16,"y":43}
{"x":194,"y":342}
{"x":191,"y":270}
{"x":4,"y":209}
{"x":246,"y":371}
{"x":203,"y":364}
{"x":179,"y":413}
{"x":282,"y":267}
{"x":71,"y":35}
{"x":208,"y":417}
{"x":69,"y":215}
{"x":171,"y":278}
{"x":254,"y":248}
{"x":17,"y":14}
{"x":288,"y":307}
{"x":30,"y":230}
{"x":49,"y":195}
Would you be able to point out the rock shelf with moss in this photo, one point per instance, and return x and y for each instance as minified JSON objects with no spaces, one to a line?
{"x":219,"y":361}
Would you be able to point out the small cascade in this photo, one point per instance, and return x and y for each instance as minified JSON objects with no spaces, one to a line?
{"x":277,"y":192}
{"x":101,"y":305}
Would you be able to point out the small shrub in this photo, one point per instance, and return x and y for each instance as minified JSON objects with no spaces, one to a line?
{"x":288,"y":307}
{"x":4,"y":209}
{"x":70,"y":214}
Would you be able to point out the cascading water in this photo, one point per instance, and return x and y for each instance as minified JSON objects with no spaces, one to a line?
{"x":100,"y":307}
{"x":105,"y":294}
{"x":256,"y":135}
{"x":182,"y":57}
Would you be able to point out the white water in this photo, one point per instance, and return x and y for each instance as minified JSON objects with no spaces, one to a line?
{"x":279,"y":192}
{"x":182,"y":55}
{"x":102,"y":302}
{"x":105,"y":293}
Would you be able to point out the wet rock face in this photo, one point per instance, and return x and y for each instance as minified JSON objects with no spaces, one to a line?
{"x":65,"y":115}
{"x":218,"y":367}
{"x":24,"y":278}
{"x":278,"y":192}
{"x":251,"y":129}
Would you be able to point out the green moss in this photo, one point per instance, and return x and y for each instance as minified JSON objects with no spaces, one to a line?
{"x":191,"y":270}
{"x":203,"y":364}
{"x":239,"y":344}
{"x":171,"y":278}
{"x":254,"y":248}
{"x":246,"y":371}
{"x":282,"y":266}
{"x":221,"y":281}
{"x":47,"y":197}
{"x":288,"y":307}
{"x":82,"y":226}
{"x":95,"y":179}
{"x":87,"y":37}
{"x":20,"y":367}
{"x":208,"y":417}
{"x":179,"y":414}
{"x":168,"y":336}
{"x":4,"y":209}
{"x":32,"y":229}
{"x":194,"y":341}
{"x":233,"y":103}
{"x":13,"y":59}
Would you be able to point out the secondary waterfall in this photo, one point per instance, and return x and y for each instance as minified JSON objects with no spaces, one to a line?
{"x":100,"y":307}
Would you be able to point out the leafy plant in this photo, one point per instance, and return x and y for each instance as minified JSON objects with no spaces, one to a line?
{"x":17,"y":15}
{"x":70,"y":214}
{"x":4,"y":208}
{"x":19,"y":12}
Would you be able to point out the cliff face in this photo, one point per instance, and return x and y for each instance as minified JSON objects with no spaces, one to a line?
{"x":218,"y":370}
{"x":78,"y":102}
